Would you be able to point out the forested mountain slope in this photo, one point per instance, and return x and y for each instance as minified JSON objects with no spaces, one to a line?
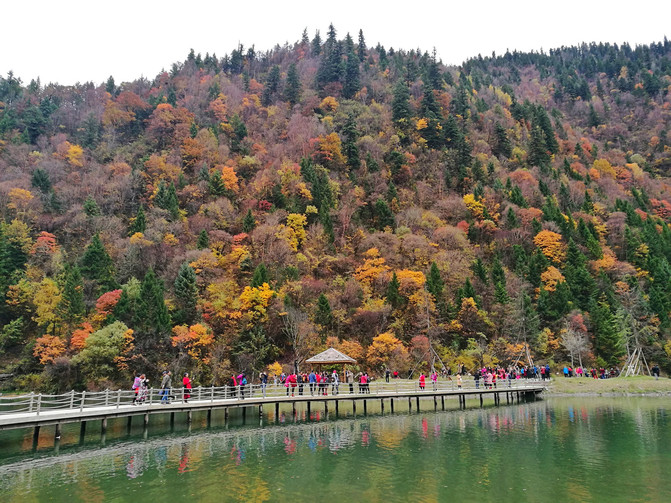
{"x":235,"y":212}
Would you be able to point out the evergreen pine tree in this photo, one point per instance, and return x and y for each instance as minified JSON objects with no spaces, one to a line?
{"x":97,"y":265}
{"x":91,"y":208}
{"x":72,"y":304}
{"x":502,"y":145}
{"x":203,"y":240}
{"x":272,"y":83}
{"x":260,"y":276}
{"x":216,"y":184}
{"x":400,"y":105}
{"x":384,"y":215}
{"x":361,"y":48}
{"x":434,"y":283}
{"x":249,"y":222}
{"x":479,"y":270}
{"x":186,"y":292}
{"x":152,"y":318}
{"x":352,"y":80}
{"x":139,"y":223}
{"x":323,"y":316}
{"x":607,"y":340}
{"x":349,"y":146}
{"x":393,"y":294}
{"x":292,"y":90}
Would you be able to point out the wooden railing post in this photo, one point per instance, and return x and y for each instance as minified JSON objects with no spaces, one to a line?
{"x":32,"y":398}
{"x":118,"y":398}
{"x":81,"y":403}
{"x":72,"y":399}
{"x":39,"y":402}
{"x":107,"y":397}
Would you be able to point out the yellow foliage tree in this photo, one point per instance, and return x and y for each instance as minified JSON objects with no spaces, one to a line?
{"x":329,"y":104}
{"x":255,"y":302}
{"x":19,"y":199}
{"x":551,"y":277}
{"x":477,"y":208}
{"x":551,"y":245}
{"x":75,"y":156}
{"x":46,"y":300}
{"x":195,"y":340}
{"x":372,"y":267}
{"x":383,"y":349}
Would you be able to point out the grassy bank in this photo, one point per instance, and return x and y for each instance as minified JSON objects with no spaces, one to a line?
{"x":618,"y":385}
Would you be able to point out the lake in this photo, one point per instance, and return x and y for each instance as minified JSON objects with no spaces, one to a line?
{"x":557,"y":449}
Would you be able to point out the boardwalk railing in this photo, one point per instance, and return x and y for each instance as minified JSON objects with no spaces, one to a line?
{"x":80,"y":400}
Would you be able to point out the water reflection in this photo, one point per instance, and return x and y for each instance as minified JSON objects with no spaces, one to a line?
{"x":570,"y":449}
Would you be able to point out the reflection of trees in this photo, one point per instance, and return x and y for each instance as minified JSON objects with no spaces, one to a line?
{"x":463,"y":449}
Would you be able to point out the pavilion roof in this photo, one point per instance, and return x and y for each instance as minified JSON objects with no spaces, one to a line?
{"x":330,"y":356}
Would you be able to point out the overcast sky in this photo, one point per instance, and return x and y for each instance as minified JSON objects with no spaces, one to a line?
{"x":69,"y":41}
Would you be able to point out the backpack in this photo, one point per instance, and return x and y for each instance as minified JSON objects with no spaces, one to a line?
{"x":244,"y":381}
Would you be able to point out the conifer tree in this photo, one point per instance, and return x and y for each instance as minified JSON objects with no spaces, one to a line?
{"x":272,"y":83}
{"x":361,"y":48}
{"x":400,"y":105}
{"x":97,"y":265}
{"x":72,"y":304}
{"x":384,"y":215}
{"x":608,"y":342}
{"x":349,"y":146}
{"x":216,"y":184}
{"x":249,"y":222}
{"x":434,"y":282}
{"x":323,"y":316}
{"x":393,"y":295}
{"x":91,"y":208}
{"x":292,"y":90}
{"x":186,"y":292}
{"x":139,"y":223}
{"x":152,"y":318}
{"x":203,"y":240}
{"x":479,"y":270}
{"x":502,"y":145}
{"x":352,"y":80}
{"x":260,"y":276}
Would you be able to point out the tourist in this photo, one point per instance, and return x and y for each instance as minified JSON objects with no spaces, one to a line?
{"x":459,"y":381}
{"x":395,"y":374}
{"x":166,"y":384}
{"x":362,"y":383}
{"x":655,"y":371}
{"x":301,"y":378}
{"x":264,"y":383}
{"x":476,"y":376}
{"x":365,"y":374}
{"x":186,"y":381}
{"x":422,"y":381}
{"x":232,"y":385}
{"x":242,"y":382}
{"x":387,"y":374}
{"x":434,"y":380}
{"x":349,"y":379}
{"x":136,"y":387}
{"x":312,"y":379}
{"x":335,"y":383}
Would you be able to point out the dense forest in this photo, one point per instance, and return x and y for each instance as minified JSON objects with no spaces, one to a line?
{"x":245,"y":212}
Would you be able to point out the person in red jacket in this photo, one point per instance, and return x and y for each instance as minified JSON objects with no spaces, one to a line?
{"x":186,"y":381}
{"x":422,"y":381}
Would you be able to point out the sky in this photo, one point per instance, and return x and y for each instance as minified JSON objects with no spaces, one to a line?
{"x":70,"y":41}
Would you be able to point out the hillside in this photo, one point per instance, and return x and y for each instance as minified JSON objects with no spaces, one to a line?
{"x":238,"y":211}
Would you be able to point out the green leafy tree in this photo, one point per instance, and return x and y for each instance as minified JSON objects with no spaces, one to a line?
{"x":98,"y":359}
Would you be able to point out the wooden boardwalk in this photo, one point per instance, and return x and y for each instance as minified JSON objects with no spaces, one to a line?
{"x":36,"y":411}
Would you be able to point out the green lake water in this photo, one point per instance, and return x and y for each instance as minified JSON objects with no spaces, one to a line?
{"x":557,"y":449}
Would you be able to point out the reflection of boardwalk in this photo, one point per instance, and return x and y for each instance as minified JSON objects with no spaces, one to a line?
{"x":34,"y":411}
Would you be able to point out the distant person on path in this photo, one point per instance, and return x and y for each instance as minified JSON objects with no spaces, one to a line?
{"x":387,"y":374}
{"x":242,"y":382}
{"x":144,"y":387}
{"x":565,"y":371}
{"x":434,"y":380}
{"x":349,"y":378}
{"x":264,"y":383}
{"x":186,"y":381}
{"x":459,"y":381}
{"x":312,"y":379}
{"x":232,"y":384}
{"x":477,"y":378}
{"x":166,"y":384}
{"x":422,"y":381}
{"x":335,"y":383}
{"x":655,"y":371}
{"x":136,"y":387}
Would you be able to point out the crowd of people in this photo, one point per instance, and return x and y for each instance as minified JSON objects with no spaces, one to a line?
{"x":319,"y":383}
{"x":600,"y":373}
